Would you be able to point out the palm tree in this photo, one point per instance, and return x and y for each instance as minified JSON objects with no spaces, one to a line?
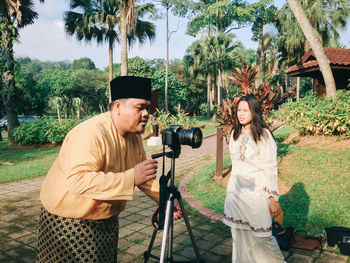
{"x":316,"y":46}
{"x":326,"y":17}
{"x":263,"y":15}
{"x":212,"y":57}
{"x":127,"y":24}
{"x":14,"y":15}
{"x":99,"y":19}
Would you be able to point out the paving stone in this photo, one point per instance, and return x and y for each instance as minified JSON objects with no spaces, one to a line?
{"x":211,"y":257}
{"x":223,"y":250}
{"x":313,"y":253}
{"x":211,"y":237}
{"x":297,"y":258}
{"x":327,"y":257}
{"x":28,"y":239}
{"x":188,"y":252}
{"x":25,"y":254}
{"x":19,"y":235}
{"x":136,"y":237}
{"x":124,"y":257}
{"x":10,"y":245}
{"x":123,"y":232}
{"x":148,"y":230}
{"x":204,"y":245}
{"x":137,"y":249}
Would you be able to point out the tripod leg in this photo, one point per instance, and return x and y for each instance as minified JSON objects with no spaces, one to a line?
{"x":147,"y":253}
{"x":167,"y":224}
{"x":199,"y":259}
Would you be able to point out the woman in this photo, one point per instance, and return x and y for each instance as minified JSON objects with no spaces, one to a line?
{"x":252,"y":192}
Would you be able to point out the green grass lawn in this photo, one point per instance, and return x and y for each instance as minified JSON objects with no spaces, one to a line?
{"x":319,"y":182}
{"x":320,"y":188}
{"x":207,"y":125}
{"x":23,"y":162}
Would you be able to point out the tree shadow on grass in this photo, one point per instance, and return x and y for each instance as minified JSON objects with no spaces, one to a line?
{"x":295,"y":207}
{"x":283,"y":149}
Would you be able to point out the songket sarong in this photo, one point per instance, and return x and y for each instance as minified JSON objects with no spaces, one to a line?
{"x":70,"y":240}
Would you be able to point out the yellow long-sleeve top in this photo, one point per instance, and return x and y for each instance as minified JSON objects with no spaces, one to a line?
{"x":93,"y":175}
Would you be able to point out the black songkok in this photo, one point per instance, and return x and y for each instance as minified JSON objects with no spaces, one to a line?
{"x":126,"y":87}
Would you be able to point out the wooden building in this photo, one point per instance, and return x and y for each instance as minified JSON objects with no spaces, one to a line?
{"x":339,"y":59}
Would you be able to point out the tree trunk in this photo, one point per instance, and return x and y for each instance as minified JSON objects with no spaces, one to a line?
{"x":298,"y":88}
{"x":316,"y":46}
{"x":110,"y":70}
{"x":219,"y":87}
{"x":258,"y":55}
{"x":123,"y":39}
{"x":208,"y":94}
{"x":167,"y":59}
{"x":274,"y":70}
{"x":58,"y":111}
{"x":8,"y":77}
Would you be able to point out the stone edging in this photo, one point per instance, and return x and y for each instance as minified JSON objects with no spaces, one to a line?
{"x":189,"y":198}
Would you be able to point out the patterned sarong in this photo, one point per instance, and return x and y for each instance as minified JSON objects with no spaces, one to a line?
{"x":70,"y":240}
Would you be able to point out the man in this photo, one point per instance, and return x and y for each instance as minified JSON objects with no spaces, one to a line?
{"x":100,"y":162}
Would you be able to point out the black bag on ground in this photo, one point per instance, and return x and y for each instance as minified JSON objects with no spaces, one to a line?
{"x":283,"y":235}
{"x":335,"y":235}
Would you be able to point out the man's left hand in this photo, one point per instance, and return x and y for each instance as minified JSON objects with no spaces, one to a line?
{"x":177,"y":210}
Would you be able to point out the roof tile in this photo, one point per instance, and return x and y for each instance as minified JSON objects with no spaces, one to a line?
{"x":336,"y":56}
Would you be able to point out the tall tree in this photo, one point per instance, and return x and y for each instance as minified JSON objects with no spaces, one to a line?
{"x":178,"y":7}
{"x":326,"y":17}
{"x":82,"y":63}
{"x":14,"y":15}
{"x":98,"y":20}
{"x":224,"y":16}
{"x":316,"y":46}
{"x":128,"y":17}
{"x":131,"y":27}
{"x":212,"y":56}
{"x":264,"y":14}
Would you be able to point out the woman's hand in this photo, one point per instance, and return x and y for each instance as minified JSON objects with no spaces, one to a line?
{"x":274,"y":207}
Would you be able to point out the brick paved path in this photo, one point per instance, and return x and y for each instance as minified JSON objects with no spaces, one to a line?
{"x":19,"y":209}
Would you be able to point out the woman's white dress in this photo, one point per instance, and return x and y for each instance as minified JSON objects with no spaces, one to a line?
{"x":253,"y":180}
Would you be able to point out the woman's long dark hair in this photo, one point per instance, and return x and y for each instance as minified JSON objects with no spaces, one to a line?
{"x":257,"y":124}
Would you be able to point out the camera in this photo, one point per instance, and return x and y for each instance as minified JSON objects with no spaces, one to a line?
{"x":175,"y":135}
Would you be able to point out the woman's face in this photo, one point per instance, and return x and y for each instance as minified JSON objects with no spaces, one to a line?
{"x":243,"y":113}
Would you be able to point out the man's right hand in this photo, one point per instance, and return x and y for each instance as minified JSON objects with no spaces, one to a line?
{"x":145,"y":171}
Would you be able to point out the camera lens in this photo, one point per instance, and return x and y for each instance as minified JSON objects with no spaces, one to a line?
{"x":191,"y":137}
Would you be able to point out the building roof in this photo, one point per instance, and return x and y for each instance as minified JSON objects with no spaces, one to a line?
{"x":338,"y":57}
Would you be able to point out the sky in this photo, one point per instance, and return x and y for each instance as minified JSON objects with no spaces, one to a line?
{"x":46,"y":39}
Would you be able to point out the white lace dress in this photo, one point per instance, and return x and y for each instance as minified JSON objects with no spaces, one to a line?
{"x":253,"y":180}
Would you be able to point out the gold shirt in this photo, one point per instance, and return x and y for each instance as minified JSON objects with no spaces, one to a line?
{"x":93,"y":175}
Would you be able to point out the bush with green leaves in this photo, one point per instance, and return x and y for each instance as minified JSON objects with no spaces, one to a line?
{"x":177,"y":93}
{"x":165,"y":119}
{"x":318,"y":116}
{"x":47,"y":130}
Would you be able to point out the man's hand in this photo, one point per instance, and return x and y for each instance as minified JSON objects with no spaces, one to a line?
{"x":145,"y":171}
{"x":274,"y":207}
{"x":177,"y":210}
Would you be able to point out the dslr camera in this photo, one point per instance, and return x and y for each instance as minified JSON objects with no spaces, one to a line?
{"x":175,"y":135}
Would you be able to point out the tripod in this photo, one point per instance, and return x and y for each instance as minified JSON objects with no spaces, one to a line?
{"x":171,"y":193}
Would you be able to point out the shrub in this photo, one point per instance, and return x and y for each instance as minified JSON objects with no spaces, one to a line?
{"x":47,"y":130}
{"x":165,"y":119}
{"x":318,"y":116}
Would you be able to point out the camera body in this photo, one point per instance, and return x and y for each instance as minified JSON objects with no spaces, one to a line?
{"x":175,"y":135}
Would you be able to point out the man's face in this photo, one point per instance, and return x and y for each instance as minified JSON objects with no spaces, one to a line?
{"x":132,"y":115}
